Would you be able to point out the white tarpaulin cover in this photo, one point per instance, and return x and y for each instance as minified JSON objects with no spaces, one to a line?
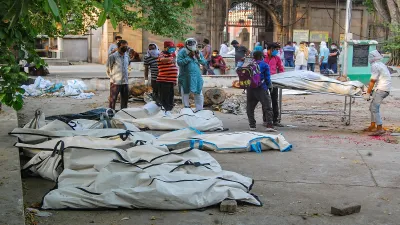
{"x":224,"y":142}
{"x":308,"y":80}
{"x":101,"y":173}
{"x":203,"y":120}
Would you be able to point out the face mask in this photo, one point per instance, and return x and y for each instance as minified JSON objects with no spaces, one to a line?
{"x":171,"y":50}
{"x":274,"y":52}
{"x":124,"y":49}
{"x":154,"y":53}
{"x":191,"y":45}
{"x":333,"y":47}
{"x":192,"y":48}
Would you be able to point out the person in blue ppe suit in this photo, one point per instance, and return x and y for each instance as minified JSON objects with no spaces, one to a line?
{"x":190,"y":79}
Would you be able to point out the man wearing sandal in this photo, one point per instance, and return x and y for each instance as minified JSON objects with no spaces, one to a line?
{"x":379,"y":86}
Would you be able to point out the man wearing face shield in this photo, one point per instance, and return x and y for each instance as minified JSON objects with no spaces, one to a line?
{"x":190,"y":79}
{"x":379,"y":86}
{"x":117,"y":71}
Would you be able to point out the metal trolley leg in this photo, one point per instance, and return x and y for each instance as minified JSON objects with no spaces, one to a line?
{"x":280,"y":103}
{"x":350,"y":103}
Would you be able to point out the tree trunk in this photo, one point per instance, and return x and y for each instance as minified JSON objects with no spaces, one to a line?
{"x":382,"y":10}
{"x":393,"y":12}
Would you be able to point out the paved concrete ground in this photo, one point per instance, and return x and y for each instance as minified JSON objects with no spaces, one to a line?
{"x":89,"y":70}
{"x":11,"y":202}
{"x":330,"y":164}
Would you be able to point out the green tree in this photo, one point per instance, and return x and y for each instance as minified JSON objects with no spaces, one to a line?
{"x":23,"y":20}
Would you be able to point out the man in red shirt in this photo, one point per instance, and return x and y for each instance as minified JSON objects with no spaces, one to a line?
{"x":275,"y":66}
{"x":167,"y":75}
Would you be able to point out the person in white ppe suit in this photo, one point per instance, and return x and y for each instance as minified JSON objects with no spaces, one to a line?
{"x":379,"y":87}
{"x":224,"y":49}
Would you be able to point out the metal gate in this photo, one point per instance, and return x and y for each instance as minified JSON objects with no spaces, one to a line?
{"x":248,"y":14}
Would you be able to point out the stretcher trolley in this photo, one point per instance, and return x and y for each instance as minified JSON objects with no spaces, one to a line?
{"x":344,"y":114}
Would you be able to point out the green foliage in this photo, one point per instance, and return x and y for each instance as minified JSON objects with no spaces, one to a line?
{"x":392,"y":45}
{"x":21,"y":21}
{"x":369,"y":4}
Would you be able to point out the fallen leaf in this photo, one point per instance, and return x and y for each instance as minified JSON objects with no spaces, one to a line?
{"x":153,"y":218}
{"x":125,"y":218}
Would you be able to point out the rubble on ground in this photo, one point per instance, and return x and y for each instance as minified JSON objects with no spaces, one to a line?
{"x":235,"y":104}
{"x":41,"y":87}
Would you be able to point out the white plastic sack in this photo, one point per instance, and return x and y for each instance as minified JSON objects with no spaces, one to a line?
{"x":38,"y":121}
{"x":203,"y":120}
{"x":227,"y":142}
{"x":45,"y":164}
{"x":308,"y":80}
{"x":97,"y":176}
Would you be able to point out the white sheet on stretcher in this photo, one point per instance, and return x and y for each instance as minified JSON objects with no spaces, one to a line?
{"x":308,"y":80}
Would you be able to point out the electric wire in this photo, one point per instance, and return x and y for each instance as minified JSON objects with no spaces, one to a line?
{"x":326,"y":7}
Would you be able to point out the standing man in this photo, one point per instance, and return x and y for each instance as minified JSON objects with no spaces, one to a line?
{"x":381,"y":83}
{"x":117,"y":71}
{"x":113,"y":47}
{"x":207,"y":52}
{"x":190,"y":79}
{"x":150,"y":63}
{"x":288,"y":52}
{"x":301,"y":57}
{"x":333,"y":58}
{"x":224,"y":49}
{"x":167,"y":74}
{"x":240,"y":53}
{"x":312,"y":54}
{"x":275,"y":66}
{"x":323,"y":56}
{"x":260,"y":94}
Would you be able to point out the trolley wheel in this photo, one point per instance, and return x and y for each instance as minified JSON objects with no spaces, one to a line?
{"x":347,"y":123}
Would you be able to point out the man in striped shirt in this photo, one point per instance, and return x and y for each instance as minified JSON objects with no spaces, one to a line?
{"x":167,"y":75}
{"x":150,"y":62}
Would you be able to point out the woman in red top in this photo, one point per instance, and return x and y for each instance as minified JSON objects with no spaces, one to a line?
{"x":218,"y":62}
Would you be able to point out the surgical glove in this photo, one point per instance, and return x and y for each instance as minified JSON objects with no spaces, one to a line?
{"x":146,"y":82}
{"x":367,"y":96}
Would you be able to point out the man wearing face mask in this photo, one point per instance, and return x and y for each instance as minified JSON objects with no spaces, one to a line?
{"x":379,"y":86}
{"x":333,"y":58}
{"x":150,"y":63}
{"x":323,"y":56}
{"x":275,"y":66}
{"x":117,"y":71}
{"x":167,"y":73}
{"x":312,"y":54}
{"x":190,"y":79}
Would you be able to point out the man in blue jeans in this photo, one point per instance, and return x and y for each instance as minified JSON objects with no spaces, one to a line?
{"x":323,"y":56}
{"x":381,"y":83}
{"x":288,"y":53}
